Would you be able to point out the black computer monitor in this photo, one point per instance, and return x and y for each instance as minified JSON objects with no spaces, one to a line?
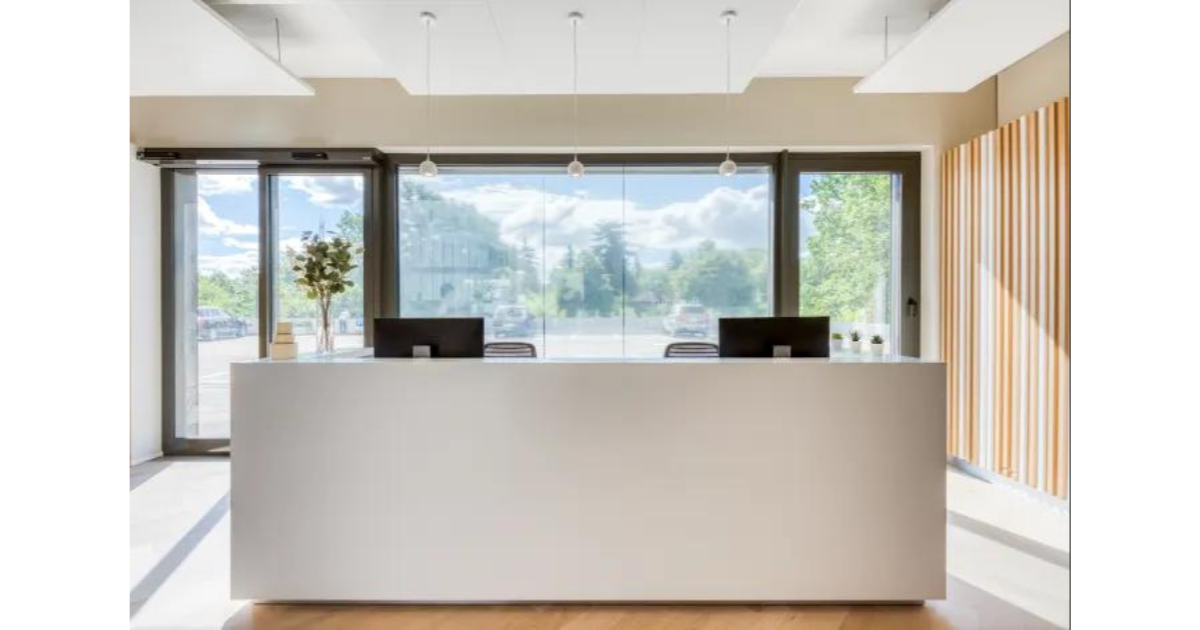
{"x":757,"y":337}
{"x":447,"y":338}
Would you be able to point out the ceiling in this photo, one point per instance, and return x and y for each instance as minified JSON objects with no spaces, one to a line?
{"x":504,"y":47}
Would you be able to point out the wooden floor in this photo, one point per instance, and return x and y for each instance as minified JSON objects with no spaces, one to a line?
{"x":264,"y":616}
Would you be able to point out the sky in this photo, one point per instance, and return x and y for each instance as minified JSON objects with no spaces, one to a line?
{"x":663,"y":209}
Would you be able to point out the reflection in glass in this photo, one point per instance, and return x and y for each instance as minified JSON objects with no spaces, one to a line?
{"x":847,"y":227}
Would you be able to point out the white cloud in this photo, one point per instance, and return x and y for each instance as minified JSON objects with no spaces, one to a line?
{"x":730,"y":217}
{"x":213,"y":225}
{"x":228,"y":264}
{"x":240,"y":244}
{"x":226,"y":183}
{"x":336,"y":191}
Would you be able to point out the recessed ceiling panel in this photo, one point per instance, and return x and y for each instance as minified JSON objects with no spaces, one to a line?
{"x":524,"y":46}
{"x":967,"y":42}
{"x":183,"y":48}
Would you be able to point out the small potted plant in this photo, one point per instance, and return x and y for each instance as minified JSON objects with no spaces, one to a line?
{"x":323,"y":269}
{"x":838,"y":342}
{"x":855,"y":341}
{"x":877,"y":345}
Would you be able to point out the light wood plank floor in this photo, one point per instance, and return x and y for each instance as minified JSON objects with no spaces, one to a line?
{"x":180,"y":580}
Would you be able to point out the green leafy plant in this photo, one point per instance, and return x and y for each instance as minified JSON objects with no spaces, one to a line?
{"x":855,"y":335}
{"x":877,"y":340}
{"x":323,"y":271}
{"x":837,"y":336}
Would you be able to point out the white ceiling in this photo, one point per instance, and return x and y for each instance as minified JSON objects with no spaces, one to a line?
{"x":524,"y":46}
{"x":967,"y":42}
{"x":181,"y":47}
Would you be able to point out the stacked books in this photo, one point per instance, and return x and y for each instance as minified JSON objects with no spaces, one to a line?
{"x":284,"y":344}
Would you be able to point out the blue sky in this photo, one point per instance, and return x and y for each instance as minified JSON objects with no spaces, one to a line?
{"x":662,"y":211}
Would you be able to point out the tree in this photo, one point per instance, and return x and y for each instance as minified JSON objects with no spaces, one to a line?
{"x":716,"y":278}
{"x":850,"y":251}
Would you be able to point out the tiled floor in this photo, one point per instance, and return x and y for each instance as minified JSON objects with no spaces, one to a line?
{"x":1008,"y":565}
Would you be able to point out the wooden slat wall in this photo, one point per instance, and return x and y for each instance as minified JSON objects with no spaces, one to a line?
{"x":1006,"y":298}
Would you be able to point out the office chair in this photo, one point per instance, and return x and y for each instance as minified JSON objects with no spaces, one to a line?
{"x":509,"y":349}
{"x":691,"y":349}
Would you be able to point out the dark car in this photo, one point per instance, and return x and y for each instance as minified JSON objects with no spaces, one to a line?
{"x":214,"y":323}
{"x":512,"y":321}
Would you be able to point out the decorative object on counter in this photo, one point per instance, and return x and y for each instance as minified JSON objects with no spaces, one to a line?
{"x":283,"y":346}
{"x":838,"y":341}
{"x":877,"y":345}
{"x":323,"y":270}
{"x":855,"y":341}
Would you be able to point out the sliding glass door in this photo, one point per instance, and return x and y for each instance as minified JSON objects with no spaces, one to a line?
{"x":216,"y":295}
{"x":618,"y":263}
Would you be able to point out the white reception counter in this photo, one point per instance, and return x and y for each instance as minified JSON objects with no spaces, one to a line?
{"x":362,"y":479}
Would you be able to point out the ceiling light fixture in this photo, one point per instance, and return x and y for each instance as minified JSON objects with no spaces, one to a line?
{"x":575,"y":168}
{"x":728,"y":168}
{"x":428,"y":168}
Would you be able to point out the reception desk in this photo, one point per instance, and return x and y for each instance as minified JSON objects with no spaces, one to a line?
{"x":466,"y":480}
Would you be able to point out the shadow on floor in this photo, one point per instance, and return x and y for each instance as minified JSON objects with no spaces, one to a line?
{"x":146,"y":471}
{"x":154,"y":580}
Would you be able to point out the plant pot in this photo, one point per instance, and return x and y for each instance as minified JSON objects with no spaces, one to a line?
{"x":837,"y":345}
{"x":877,"y":349}
{"x":856,"y":346}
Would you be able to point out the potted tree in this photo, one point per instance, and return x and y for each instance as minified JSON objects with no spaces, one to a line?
{"x":877,"y":345}
{"x":323,"y":271}
{"x":855,"y":341}
{"x":838,"y":342}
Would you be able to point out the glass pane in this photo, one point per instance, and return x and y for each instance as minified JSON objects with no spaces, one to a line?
{"x":220,"y":293}
{"x":327,"y":206}
{"x":700,"y":252}
{"x":617,"y":263}
{"x":847,"y":250}
{"x":471,"y":245}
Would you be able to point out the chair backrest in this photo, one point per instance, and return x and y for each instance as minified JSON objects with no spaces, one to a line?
{"x":691,"y":349}
{"x":513,"y":349}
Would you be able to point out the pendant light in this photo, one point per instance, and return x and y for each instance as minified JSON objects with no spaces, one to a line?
{"x":575,"y":168}
{"x":428,"y":168}
{"x":728,"y":168}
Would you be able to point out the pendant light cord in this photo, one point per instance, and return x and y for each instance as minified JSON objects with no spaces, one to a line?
{"x":575,"y":82}
{"x":428,"y":89}
{"x":728,"y":84}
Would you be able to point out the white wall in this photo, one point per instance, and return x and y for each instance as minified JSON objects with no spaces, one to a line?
{"x":145,"y":312}
{"x":1044,"y":76}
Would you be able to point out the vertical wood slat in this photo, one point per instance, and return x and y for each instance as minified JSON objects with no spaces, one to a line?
{"x":1005,"y":287}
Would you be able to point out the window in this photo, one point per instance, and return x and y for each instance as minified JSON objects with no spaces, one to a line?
{"x":326,"y":205}
{"x":217,"y":291}
{"x":618,"y":263}
{"x":848,"y":251}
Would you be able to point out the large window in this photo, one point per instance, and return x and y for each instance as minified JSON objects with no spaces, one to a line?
{"x":848,"y":236}
{"x":618,"y":263}
{"x":324,"y":205}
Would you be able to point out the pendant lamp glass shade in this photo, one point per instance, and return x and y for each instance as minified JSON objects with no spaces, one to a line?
{"x":427,"y":168}
{"x":728,"y":168}
{"x":575,"y":168}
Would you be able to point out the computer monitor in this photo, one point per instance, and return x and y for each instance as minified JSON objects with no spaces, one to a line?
{"x":445,"y":338}
{"x":766,"y":337}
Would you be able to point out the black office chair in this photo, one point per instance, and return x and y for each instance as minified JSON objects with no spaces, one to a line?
{"x":510,"y":349}
{"x":691,"y":350}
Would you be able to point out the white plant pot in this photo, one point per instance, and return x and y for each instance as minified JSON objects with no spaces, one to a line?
{"x":856,"y":346}
{"x":877,"y":349}
{"x":838,"y":345}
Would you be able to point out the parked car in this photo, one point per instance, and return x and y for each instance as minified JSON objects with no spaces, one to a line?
{"x":214,"y":323}
{"x":687,"y":319}
{"x":512,"y":321}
